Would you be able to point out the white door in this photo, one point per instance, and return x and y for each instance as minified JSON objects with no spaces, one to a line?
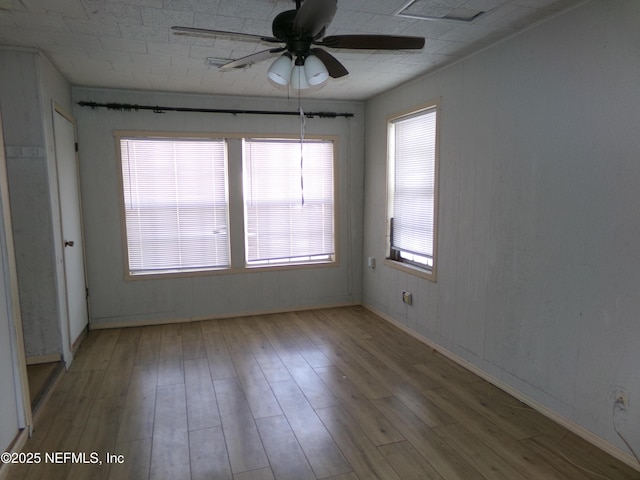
{"x":73,"y":244}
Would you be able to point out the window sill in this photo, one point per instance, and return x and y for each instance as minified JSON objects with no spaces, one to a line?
{"x":227,"y":271}
{"x":290,"y":266}
{"x":165,"y":274}
{"x":411,"y":269}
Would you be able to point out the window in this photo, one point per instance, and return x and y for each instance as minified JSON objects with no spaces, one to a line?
{"x":412,"y":171}
{"x":175,"y":204}
{"x":288,"y":201}
{"x":176,"y":210}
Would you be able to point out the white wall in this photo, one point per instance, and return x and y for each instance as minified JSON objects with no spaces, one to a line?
{"x":115,"y":301}
{"x":539,"y":265}
{"x":28,"y":85}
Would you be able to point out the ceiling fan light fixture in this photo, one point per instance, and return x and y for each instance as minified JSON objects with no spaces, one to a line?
{"x":298,"y":77}
{"x":315,"y":70}
{"x":280,"y":70}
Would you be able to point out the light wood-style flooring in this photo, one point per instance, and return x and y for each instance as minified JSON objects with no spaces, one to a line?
{"x":40,"y":377}
{"x":335,"y":393}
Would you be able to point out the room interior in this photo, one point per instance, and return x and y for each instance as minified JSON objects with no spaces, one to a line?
{"x":537,"y":226}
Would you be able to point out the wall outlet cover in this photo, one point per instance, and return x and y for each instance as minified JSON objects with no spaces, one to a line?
{"x":407,"y":298}
{"x":621,"y":395}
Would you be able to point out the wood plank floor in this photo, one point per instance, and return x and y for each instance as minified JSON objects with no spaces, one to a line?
{"x":40,"y":377}
{"x":336,"y":394}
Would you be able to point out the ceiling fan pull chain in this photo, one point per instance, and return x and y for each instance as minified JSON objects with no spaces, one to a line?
{"x":302,"y":131}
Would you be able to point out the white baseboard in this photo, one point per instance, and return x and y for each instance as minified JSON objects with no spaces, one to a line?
{"x":38,"y":359}
{"x":150,"y":322}
{"x":544,"y":410}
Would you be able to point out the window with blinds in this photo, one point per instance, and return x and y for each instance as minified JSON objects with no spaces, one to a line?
{"x":288,"y":201}
{"x":175,"y":204}
{"x":412,"y":188}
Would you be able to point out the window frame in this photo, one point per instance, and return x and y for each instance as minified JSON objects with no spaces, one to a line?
{"x":404,"y":265}
{"x":334,"y":140}
{"x":156,"y":135}
{"x":235,"y":186}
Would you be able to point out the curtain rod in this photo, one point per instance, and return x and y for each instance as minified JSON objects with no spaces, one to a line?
{"x":158,"y":109}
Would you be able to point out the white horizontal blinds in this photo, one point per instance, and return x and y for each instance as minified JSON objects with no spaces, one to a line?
{"x":289,"y":211}
{"x":175,"y":199}
{"x":414,"y":150}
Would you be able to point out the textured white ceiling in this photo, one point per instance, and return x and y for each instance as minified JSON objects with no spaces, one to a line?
{"x":128,"y":43}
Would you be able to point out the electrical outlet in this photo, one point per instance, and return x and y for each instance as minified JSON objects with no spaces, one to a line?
{"x":407,"y":298}
{"x":621,"y":397}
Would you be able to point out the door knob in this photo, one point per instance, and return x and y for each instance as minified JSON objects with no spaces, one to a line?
{"x":68,"y":243}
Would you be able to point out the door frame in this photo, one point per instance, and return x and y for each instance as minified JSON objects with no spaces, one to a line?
{"x":25,"y":414}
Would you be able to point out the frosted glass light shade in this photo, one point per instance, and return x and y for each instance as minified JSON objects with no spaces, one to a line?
{"x":315,"y":71}
{"x":280,"y":70}
{"x":299,"y":78}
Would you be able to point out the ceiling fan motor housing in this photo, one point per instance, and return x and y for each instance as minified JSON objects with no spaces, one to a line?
{"x":282,"y":26}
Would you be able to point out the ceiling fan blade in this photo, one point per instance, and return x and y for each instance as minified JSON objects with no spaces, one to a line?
{"x":313,"y":16}
{"x":334,"y":67}
{"x":253,"y":58}
{"x":205,"y":32}
{"x":373,"y":42}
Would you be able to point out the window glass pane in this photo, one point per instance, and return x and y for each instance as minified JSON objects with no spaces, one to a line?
{"x":288,"y":198}
{"x":413,"y":157}
{"x":175,"y":201}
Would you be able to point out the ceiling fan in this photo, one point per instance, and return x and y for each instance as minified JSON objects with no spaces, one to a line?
{"x":301,"y":62}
